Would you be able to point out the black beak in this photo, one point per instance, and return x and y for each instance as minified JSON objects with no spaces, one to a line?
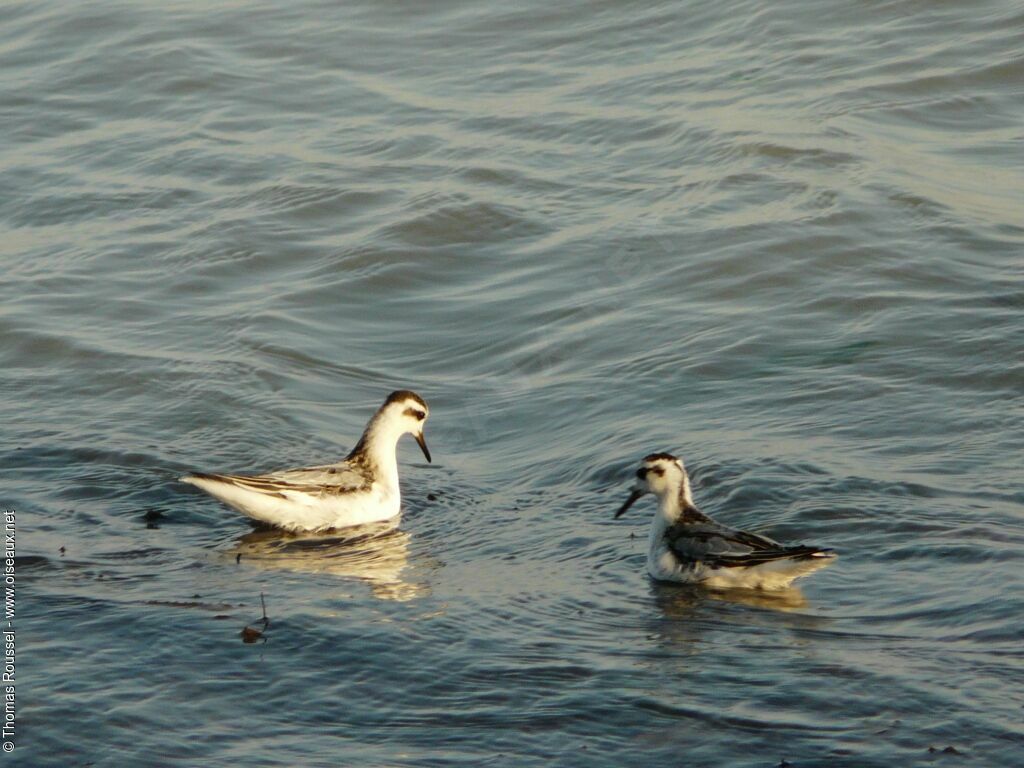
{"x":629,"y":503}
{"x":423,"y":446}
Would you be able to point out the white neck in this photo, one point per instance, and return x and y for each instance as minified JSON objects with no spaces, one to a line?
{"x":672,"y":502}
{"x":670,"y":508}
{"x":378,"y":446}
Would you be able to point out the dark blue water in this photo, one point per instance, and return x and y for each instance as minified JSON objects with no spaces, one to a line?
{"x":784,"y":242}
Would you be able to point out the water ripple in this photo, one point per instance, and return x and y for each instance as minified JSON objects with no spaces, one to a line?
{"x":785,"y":245}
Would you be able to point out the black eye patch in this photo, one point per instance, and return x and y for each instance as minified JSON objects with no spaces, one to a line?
{"x":418,"y":415}
{"x":658,"y":471}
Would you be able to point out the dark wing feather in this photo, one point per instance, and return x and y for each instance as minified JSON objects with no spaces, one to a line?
{"x":693,"y":538}
{"x":737,"y":538}
{"x":768,"y":555}
{"x":320,"y":481}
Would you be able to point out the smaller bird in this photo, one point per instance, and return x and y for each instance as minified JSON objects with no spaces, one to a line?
{"x":688,"y":547}
{"x":361,"y":489}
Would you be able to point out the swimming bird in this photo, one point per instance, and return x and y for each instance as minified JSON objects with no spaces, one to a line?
{"x":687,"y":546}
{"x":361,"y":489}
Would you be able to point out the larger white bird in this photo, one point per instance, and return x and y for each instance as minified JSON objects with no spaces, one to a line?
{"x":687,"y":546}
{"x":361,"y":489}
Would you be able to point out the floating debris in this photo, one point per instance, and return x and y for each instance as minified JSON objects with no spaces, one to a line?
{"x":251,"y":634}
{"x":191,"y":604}
{"x":947,"y":751}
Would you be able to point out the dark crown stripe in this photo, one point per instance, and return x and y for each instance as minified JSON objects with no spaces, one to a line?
{"x":660,"y":456}
{"x":404,"y":394}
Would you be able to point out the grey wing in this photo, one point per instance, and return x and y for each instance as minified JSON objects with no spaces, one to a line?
{"x":329,"y":479}
{"x":722,"y":547}
{"x":710,"y":540}
{"x":342,"y":476}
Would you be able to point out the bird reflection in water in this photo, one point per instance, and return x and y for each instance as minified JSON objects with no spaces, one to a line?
{"x":682,"y":601}
{"x":377,"y":554}
{"x":687,"y":602}
{"x":687,"y":612}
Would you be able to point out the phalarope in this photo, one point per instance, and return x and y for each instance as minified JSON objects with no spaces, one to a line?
{"x":361,"y":489}
{"x":687,"y":546}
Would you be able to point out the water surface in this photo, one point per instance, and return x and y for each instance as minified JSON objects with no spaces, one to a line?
{"x":783,"y":242}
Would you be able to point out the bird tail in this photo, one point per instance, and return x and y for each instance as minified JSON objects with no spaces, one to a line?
{"x":762,"y":556}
